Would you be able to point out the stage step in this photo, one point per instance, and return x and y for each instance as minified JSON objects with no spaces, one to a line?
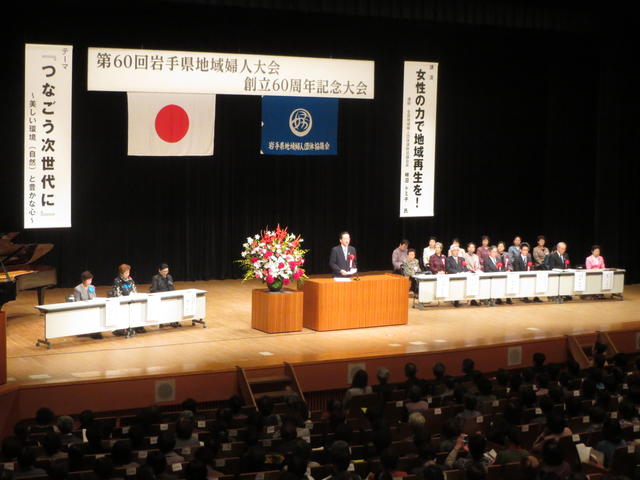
{"x":266,"y":380}
{"x":276,"y":386}
{"x":275,"y":395}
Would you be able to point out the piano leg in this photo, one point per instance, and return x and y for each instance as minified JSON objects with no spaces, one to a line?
{"x":40,"y":291}
{"x":44,"y":342}
{"x":201,"y":321}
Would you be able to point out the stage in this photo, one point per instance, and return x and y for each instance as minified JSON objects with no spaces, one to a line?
{"x":229,"y":339}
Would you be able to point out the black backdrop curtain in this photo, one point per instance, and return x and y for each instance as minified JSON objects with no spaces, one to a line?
{"x":537,"y":134}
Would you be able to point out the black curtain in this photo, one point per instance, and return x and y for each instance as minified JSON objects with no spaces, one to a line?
{"x":537,"y":134}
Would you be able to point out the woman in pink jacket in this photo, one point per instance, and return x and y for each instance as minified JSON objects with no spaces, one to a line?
{"x":595,"y":260}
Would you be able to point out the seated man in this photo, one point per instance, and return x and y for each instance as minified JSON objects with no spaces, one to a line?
{"x":455,"y":264}
{"x":559,"y":260}
{"x":493,"y":264}
{"x":522,"y":262}
{"x":410,"y":267}
{"x":399,"y":255}
{"x":163,"y":282}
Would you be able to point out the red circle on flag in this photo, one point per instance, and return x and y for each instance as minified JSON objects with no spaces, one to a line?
{"x":172,"y":123}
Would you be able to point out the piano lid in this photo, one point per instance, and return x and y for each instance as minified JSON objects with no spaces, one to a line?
{"x":21,"y":254}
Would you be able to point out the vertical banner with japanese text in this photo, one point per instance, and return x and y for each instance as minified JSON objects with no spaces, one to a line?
{"x":47,"y":136}
{"x":419,"y":101}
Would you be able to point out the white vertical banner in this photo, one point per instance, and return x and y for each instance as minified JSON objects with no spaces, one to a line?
{"x":579,"y":281}
{"x":154,"y":308}
{"x":442,"y":286}
{"x":607,"y":279}
{"x":47,"y":136}
{"x":513,"y":283}
{"x":542,"y":281}
{"x":417,"y":168}
{"x":111,"y":310}
{"x":473,"y":285}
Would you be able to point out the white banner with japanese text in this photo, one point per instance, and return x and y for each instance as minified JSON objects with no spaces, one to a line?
{"x":47,"y":136}
{"x":165,"y":71}
{"x":419,"y":101}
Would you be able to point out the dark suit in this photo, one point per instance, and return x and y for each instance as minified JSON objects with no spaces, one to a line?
{"x":337,"y":261}
{"x":520,"y":266}
{"x":454,"y":264}
{"x":488,"y":265}
{"x":554,"y":260}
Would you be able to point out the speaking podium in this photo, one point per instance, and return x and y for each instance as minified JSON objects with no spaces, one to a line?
{"x":372,"y":301}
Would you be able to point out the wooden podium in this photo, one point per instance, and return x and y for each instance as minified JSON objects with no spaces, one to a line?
{"x":279,"y":312}
{"x":372,"y":301}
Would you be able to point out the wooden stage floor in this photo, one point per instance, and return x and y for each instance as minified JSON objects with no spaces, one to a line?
{"x":229,"y":339}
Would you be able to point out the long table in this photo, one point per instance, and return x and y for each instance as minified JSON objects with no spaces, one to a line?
{"x":371,"y":301}
{"x":553,"y":284}
{"x":122,"y":313}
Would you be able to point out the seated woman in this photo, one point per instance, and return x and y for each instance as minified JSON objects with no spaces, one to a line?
{"x":86,"y":291}
{"x":595,"y":260}
{"x":410,"y":267}
{"x":124,"y":285}
{"x":472,"y":259}
{"x":429,"y":250}
{"x":437,"y":261}
{"x":359,"y":386}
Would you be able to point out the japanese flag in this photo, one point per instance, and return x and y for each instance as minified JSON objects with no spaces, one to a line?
{"x":171,"y":124}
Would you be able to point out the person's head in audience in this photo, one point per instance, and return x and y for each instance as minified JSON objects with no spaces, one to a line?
{"x":44,"y":417}
{"x":458,"y":394}
{"x":121,"y":453}
{"x":556,"y":423}
{"x":340,"y":456}
{"x":501,"y":246}
{"x":157,"y":461}
{"x":265,"y":406}
{"x":64,"y":424}
{"x":383,"y":375}
{"x":470,"y":403}
{"x":51,"y":443}
{"x":513,"y":412}
{"x":344,"y":432}
{"x":627,"y":412}
{"x":612,"y":431}
{"x":552,"y":453}
{"x":415,"y":392}
{"x":573,"y":406}
{"x":58,"y":470}
{"x":86,"y":419}
{"x":190,"y":404}
{"x":196,"y":470}
{"x":538,"y":360}
{"x":485,"y":387}
{"x":94,"y":436}
{"x":438,"y":370}
{"x":546,"y":405}
{"x":136,"y":437}
{"x":597,"y":415}
{"x":21,"y":430}
{"x":360,"y":380}
{"x":410,"y":370}
{"x":381,"y":439}
{"x":288,"y":431}
{"x":471,"y":248}
{"x":403,"y":245}
{"x":454,"y":251}
{"x":589,"y":388}
{"x":561,"y":247}
{"x":573,"y":367}
{"x":477,"y":446}
{"x":416,"y":423}
{"x":438,"y":248}
{"x":76,"y":457}
{"x":255,"y":458}
{"x":426,"y":453}
{"x":475,"y":471}
{"x":502,"y":377}
{"x":389,"y":460}
{"x":235,"y":404}
{"x":528,"y":375}
{"x":493,"y":251}
{"x":432,"y":242}
{"x":621,"y":360}
{"x":297,"y":465}
{"x":555,"y":394}
{"x":529,"y":468}
{"x":599,"y":360}
{"x":103,"y":468}
{"x":468,"y":365}
{"x":485,"y":240}
{"x":166,"y":441}
{"x":431,"y":472}
{"x":145,"y":472}
{"x":515,"y":382}
{"x":11,"y":446}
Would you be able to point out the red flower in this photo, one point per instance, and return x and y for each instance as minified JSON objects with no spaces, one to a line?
{"x":566,"y":262}
{"x":464,"y":264}
{"x":270,"y":279}
{"x":499,"y":265}
{"x":267,"y":254}
{"x":293,"y":265}
{"x":352,"y":257}
{"x":297,"y":274}
{"x":281,"y":265}
{"x":254,"y":259}
{"x":529,"y":264}
{"x":285,"y":281}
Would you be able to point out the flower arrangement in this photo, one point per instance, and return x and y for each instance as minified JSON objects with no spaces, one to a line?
{"x":275,"y":257}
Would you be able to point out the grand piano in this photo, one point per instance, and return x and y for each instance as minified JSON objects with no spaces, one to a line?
{"x":19,"y":272}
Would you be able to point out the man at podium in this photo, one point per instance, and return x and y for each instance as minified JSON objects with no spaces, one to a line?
{"x":343,"y":257}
